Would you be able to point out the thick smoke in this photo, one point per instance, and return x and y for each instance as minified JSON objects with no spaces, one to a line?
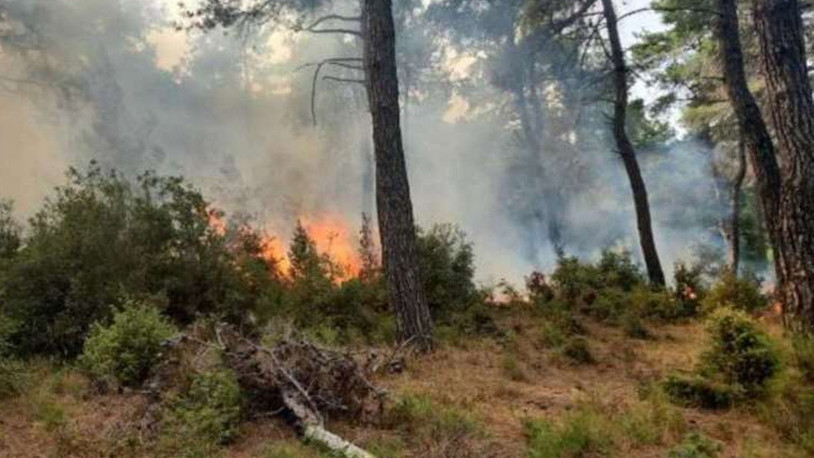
{"x":112,"y":81}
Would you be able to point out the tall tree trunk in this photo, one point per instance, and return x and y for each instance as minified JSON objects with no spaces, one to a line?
{"x":395,"y":209}
{"x":780,"y":30}
{"x":751,"y":125}
{"x":734,"y":231}
{"x":626,"y":151}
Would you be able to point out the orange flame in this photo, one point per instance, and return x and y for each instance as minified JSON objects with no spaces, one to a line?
{"x":334,"y":237}
{"x":331,"y":234}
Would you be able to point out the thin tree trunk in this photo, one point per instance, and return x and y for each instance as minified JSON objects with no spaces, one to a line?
{"x":752,"y":127}
{"x":395,"y":209}
{"x":780,"y":32}
{"x":626,"y":151}
{"x":733,"y":231}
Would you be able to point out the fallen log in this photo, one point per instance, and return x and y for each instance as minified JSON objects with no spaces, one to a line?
{"x":300,"y":379}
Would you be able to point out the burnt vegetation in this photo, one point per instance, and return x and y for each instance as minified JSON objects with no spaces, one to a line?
{"x":642,"y":282}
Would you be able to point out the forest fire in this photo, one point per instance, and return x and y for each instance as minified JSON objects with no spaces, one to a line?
{"x":335,"y":238}
{"x":332,"y":235}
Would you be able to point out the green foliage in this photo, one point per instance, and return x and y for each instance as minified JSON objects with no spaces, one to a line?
{"x":803,"y":350}
{"x":585,"y":432}
{"x":10,"y":232}
{"x":690,"y":289}
{"x":102,"y":237}
{"x":596,"y":429}
{"x":129,"y":347}
{"x":8,"y":329}
{"x":421,"y":417}
{"x":740,"y":352}
{"x":633,"y":327}
{"x":697,"y":391}
{"x":204,"y":417}
{"x":15,"y":378}
{"x":696,"y":445}
{"x":658,"y":305}
{"x":513,"y":369}
{"x":446,"y":263}
{"x":577,"y":350}
{"x":739,"y":292}
{"x":789,"y":408}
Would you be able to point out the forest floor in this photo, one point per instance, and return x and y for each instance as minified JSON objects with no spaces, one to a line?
{"x":473,"y":398}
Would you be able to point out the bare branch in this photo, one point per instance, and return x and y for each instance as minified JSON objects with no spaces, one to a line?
{"x":344,"y":80}
{"x":332,"y":17}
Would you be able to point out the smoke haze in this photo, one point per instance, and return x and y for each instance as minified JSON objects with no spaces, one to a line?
{"x":113,"y":81}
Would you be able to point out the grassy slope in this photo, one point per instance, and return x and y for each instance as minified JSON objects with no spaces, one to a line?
{"x":495,"y":385}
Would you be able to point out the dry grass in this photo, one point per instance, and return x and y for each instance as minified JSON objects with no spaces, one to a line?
{"x":475,"y":381}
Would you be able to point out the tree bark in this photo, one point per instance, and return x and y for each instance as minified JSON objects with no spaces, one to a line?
{"x":780,"y":32}
{"x":626,"y":150}
{"x":395,"y":209}
{"x":733,"y":231}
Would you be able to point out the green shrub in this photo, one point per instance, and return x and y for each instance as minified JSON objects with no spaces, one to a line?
{"x":742,"y":293}
{"x":658,"y":305}
{"x":101,"y":237}
{"x":803,"y":348}
{"x":618,"y":270}
{"x":204,"y":417}
{"x":690,"y":288}
{"x":585,"y":432}
{"x":420,"y":416}
{"x":512,"y":368}
{"x":7,"y":330}
{"x":697,"y":391}
{"x":446,"y":264}
{"x":653,"y":420}
{"x":696,"y":445}
{"x":577,"y":350}
{"x":573,"y":279}
{"x":129,"y":347}
{"x":739,"y":352}
{"x":633,"y":327}
{"x":15,"y":378}
{"x":789,"y":408}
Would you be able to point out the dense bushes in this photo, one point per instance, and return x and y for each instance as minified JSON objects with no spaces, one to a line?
{"x":101,"y":237}
{"x":739,"y":292}
{"x":129,"y":347}
{"x":739,"y":352}
{"x":204,"y":417}
{"x":446,"y":264}
{"x":737,"y":364}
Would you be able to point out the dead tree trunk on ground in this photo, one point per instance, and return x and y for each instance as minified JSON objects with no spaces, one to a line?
{"x":626,"y":150}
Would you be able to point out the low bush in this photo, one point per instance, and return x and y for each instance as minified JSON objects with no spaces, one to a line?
{"x":739,"y":292}
{"x":204,"y":417}
{"x":421,"y":417}
{"x":513,"y":369}
{"x":803,"y":348}
{"x":696,"y":445}
{"x":739,"y":352}
{"x":697,"y":391}
{"x":15,"y":378}
{"x":634,"y":327}
{"x":129,"y":347}
{"x":789,"y":408}
{"x":447,"y":266}
{"x":659,"y":305}
{"x":690,"y":288}
{"x":577,"y":350}
{"x":585,"y":432}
